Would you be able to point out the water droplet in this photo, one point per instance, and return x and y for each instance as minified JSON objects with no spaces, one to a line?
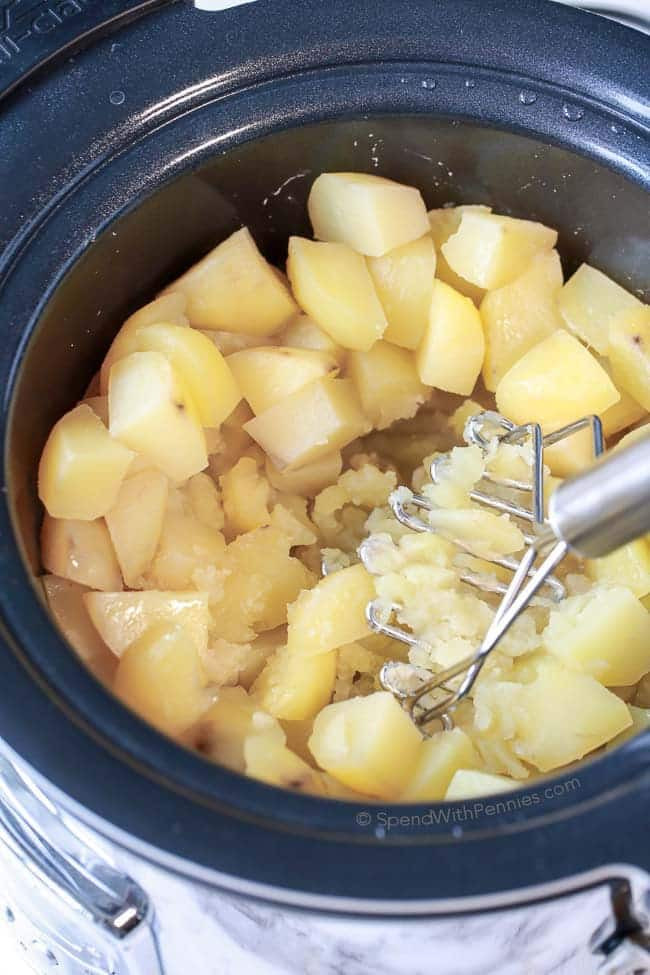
{"x":572,"y":112}
{"x":615,"y":129}
{"x":469,"y":83}
{"x":402,"y":81}
{"x":117,"y":98}
{"x":527,"y":97}
{"x":429,"y":83}
{"x":9,"y":915}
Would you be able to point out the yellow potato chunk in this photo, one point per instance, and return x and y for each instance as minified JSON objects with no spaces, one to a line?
{"x":450,"y":355}
{"x":294,"y":685}
{"x":80,"y":551}
{"x":205,"y":501}
{"x":440,"y":758}
{"x":222,"y":729}
{"x":629,"y":353}
{"x":277,"y":765}
{"x":472,"y":783}
{"x":404,"y":282}
{"x":627,"y":566}
{"x":121,"y":618}
{"x":187,"y":549}
{"x":168,"y":308}
{"x":589,"y":302}
{"x":267,"y":376}
{"x":151,"y":412}
{"x":160,"y":678}
{"x":491,"y":251}
{"x":640,"y":722}
{"x":303,"y":333}
{"x":556,"y":382}
{"x":387,"y":382}
{"x":331,"y":614}
{"x":370,"y":214}
{"x":333,"y":286}
{"x":443,"y":223}
{"x":246,"y":497}
{"x":81,"y":467}
{"x":519,"y":315}
{"x":68,"y":609}
{"x":637,"y":434}
{"x":309,"y":479}
{"x":605,"y":633}
{"x":310,"y":423}
{"x":99,"y":406}
{"x":368,"y":743}
{"x":135,"y":523}
{"x":230,"y":342}
{"x":234,"y":289}
{"x":623,"y":414}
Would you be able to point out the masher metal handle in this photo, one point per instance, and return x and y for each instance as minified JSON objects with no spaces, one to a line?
{"x":606,"y":506}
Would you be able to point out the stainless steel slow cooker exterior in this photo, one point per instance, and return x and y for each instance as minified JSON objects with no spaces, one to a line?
{"x":122,"y":853}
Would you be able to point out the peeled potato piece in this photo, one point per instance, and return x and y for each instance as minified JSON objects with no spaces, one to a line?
{"x":450,"y":354}
{"x":404,"y":282}
{"x":81,"y":551}
{"x":439,"y":759}
{"x":332,"y":613}
{"x":442,"y":224}
{"x":223,"y":729}
{"x":135,"y":523}
{"x":387,"y":382}
{"x":370,"y":214}
{"x":309,"y":479}
{"x":472,"y":783}
{"x":275,"y":764}
{"x":122,"y":617}
{"x":81,"y":467}
{"x":629,"y":352}
{"x":332,"y":284}
{"x":294,"y":685}
{"x":266,"y":376}
{"x":234,"y":289}
{"x":627,"y":566}
{"x":65,"y":601}
{"x":303,"y":333}
{"x":589,"y":302}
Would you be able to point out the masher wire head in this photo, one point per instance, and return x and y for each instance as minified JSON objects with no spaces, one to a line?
{"x":436,"y":697}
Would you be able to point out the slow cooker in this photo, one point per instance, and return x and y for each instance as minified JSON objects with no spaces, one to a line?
{"x":134,"y":136}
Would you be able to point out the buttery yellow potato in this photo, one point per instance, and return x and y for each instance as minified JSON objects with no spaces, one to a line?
{"x":135,"y":523}
{"x":234,"y":289}
{"x":167,"y":308}
{"x":440,"y":758}
{"x":556,"y":382}
{"x":589,"y":302}
{"x":275,"y":764}
{"x":627,"y":566}
{"x":230,"y":342}
{"x":443,"y":223}
{"x":368,"y":743}
{"x":623,"y":414}
{"x":267,"y":375}
{"x":121,"y":618}
{"x":387,"y":382}
{"x":491,"y":251}
{"x":629,"y":352}
{"x":151,"y":412}
{"x":331,"y":614}
{"x":99,"y":406}
{"x":604,"y":633}
{"x":246,"y":498}
{"x":640,"y":722}
{"x":303,"y":333}
{"x":205,"y":501}
{"x":68,"y":609}
{"x":450,"y":355}
{"x":222,"y":729}
{"x":637,"y":434}
{"x":80,"y":551}
{"x":160,"y":678}
{"x":307,"y":480}
{"x":472,"y":783}
{"x":187,"y":550}
{"x":310,"y":423}
{"x":81,"y":467}
{"x":404,"y":282}
{"x":290,"y":516}
{"x":332,"y":284}
{"x":294,"y":685}
{"x":519,"y":315}
{"x":370,"y":214}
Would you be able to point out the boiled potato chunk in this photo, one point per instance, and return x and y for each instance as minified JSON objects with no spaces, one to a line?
{"x":623,"y":414}
{"x":519,"y":315}
{"x":440,"y":758}
{"x":309,"y":479}
{"x":637,"y":434}
{"x":368,"y":743}
{"x":230,"y":342}
{"x":491,"y":251}
{"x":589,"y":302}
{"x":404,"y":281}
{"x":604,"y":633}
{"x":80,"y":551}
{"x":562,"y":714}
{"x":310,"y":423}
{"x":160,"y":678}
{"x":331,"y":614}
{"x":205,"y":501}
{"x":135,"y":523}
{"x":443,"y":223}
{"x":66,"y":603}
{"x":370,"y":214}
{"x":222,"y":730}
{"x":121,"y":618}
{"x":471,"y":784}
{"x":294,"y":685}
{"x":387,"y":382}
{"x":450,"y":355}
{"x":303,"y":333}
{"x":332,"y":284}
{"x":629,"y":353}
{"x":640,"y":722}
{"x":188,"y":548}
{"x":246,"y":497}
{"x":556,"y":382}
{"x":234,"y":289}
{"x":265,"y":376}
{"x":151,"y":412}
{"x":81,"y":467}
{"x":627,"y":566}
{"x":275,"y":764}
